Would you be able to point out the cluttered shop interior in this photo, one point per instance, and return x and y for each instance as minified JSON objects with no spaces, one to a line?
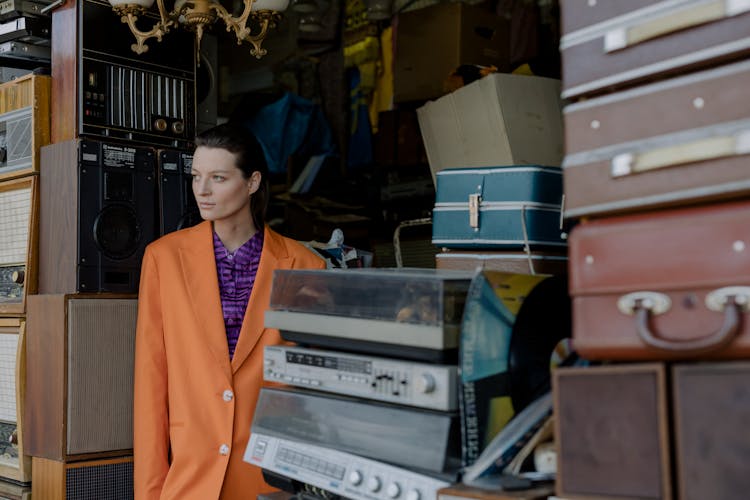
{"x":374,"y":249}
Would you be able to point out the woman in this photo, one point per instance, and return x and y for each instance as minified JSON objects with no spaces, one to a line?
{"x":200,"y":334}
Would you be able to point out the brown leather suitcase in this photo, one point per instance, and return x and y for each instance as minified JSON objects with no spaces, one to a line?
{"x":712,"y":442}
{"x":673,"y":142}
{"x":626,"y":42}
{"x":672,"y":284}
{"x":611,"y":432}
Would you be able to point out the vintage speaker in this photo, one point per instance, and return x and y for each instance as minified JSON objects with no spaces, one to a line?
{"x":177,"y":206}
{"x":15,"y":463}
{"x":24,"y":124}
{"x":712,"y":414}
{"x":611,"y":432}
{"x":103,"y":479}
{"x":97,"y":217}
{"x":79,"y":385}
{"x":102,"y":88}
{"x":19,"y":227}
{"x":207,"y":84}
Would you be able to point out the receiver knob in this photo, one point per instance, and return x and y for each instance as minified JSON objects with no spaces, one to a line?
{"x":18,"y":277}
{"x":160,"y":124}
{"x":413,"y":495}
{"x":355,"y":477}
{"x":373,"y":484}
{"x":178,"y":127}
{"x":393,"y":490}
{"x":425,"y":383}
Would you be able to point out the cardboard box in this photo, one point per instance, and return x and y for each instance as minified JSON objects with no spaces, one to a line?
{"x":499,"y":120}
{"x":432,"y":42}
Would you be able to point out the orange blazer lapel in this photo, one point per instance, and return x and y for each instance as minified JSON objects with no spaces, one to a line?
{"x":274,"y":256}
{"x":199,"y":271}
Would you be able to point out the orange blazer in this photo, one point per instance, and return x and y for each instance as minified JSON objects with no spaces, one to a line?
{"x":192,"y":407}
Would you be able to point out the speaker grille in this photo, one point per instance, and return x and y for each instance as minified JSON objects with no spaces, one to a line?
{"x":101,"y":349}
{"x":112,"y":481}
{"x":611,"y":431}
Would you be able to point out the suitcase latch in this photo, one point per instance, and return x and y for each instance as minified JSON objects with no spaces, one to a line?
{"x":474,"y":201}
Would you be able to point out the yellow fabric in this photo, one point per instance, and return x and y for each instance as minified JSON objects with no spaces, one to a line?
{"x":382,"y":96}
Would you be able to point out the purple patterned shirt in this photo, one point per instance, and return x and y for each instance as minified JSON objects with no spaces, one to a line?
{"x":236,"y":278}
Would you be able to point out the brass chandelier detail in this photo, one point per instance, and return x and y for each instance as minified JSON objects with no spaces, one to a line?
{"x":196,"y":15}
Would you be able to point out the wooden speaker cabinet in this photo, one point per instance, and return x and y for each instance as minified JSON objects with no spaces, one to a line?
{"x":19,"y":242}
{"x":104,"y":479}
{"x":79,"y":382}
{"x":712,"y":439}
{"x":15,"y":463}
{"x":611,"y":432}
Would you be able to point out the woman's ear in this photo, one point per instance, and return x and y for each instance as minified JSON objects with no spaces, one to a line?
{"x":253,"y":183}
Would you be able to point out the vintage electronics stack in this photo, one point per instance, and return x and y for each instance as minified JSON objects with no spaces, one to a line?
{"x":177,"y":206}
{"x":24,"y":128}
{"x":656,"y":172}
{"x":80,"y":395}
{"x":25,"y":33}
{"x":102,"y":88}
{"x":378,"y":350}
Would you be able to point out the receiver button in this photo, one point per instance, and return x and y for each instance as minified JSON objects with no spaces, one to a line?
{"x":373,"y":484}
{"x":413,"y":495}
{"x":355,"y":477}
{"x":393,"y":490}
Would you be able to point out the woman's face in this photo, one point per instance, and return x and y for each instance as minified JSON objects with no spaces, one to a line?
{"x":221,"y":191}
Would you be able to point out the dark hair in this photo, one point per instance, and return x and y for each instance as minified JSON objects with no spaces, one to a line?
{"x":249,"y":158}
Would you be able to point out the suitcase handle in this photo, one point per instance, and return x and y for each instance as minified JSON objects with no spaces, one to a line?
{"x":695,"y":15}
{"x":732,"y":301}
{"x":700,"y":150}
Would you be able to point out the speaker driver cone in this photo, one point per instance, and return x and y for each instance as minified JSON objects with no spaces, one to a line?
{"x":117,"y":232}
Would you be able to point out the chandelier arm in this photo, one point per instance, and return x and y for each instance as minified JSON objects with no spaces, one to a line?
{"x":238,"y":24}
{"x":160,"y":28}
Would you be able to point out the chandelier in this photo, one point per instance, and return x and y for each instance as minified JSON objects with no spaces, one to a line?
{"x":196,"y":15}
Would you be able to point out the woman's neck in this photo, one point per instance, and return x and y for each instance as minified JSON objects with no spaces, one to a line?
{"x":234,"y":235}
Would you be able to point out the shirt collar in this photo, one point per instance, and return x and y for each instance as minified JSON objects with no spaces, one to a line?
{"x":244,"y":255}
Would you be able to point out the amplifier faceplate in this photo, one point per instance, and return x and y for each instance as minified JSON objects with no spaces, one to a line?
{"x":391,"y":380}
{"x":342,"y":473}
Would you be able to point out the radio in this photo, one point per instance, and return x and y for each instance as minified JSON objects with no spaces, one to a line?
{"x":341,"y":473}
{"x":19,"y":225}
{"x":148,"y":98}
{"x":15,"y":463}
{"x":13,"y":9}
{"x":395,"y":381}
{"x":24,"y":124}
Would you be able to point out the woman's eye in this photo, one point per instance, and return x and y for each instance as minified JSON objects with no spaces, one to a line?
{"x":218,"y":178}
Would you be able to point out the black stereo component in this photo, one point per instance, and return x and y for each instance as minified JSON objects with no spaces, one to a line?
{"x":98,"y":216}
{"x":13,"y":9}
{"x":147,"y":98}
{"x":177,"y":206}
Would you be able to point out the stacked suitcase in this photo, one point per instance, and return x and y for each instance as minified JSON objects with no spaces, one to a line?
{"x":656,"y":172}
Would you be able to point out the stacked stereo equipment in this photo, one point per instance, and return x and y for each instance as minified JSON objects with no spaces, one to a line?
{"x":657,"y":144}
{"x":25,"y":34}
{"x":370,"y":406}
{"x":375,"y":405}
{"x":24,"y":128}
